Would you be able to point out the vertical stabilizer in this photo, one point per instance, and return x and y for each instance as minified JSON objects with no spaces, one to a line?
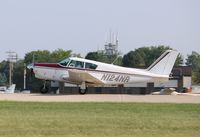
{"x":164,"y":64}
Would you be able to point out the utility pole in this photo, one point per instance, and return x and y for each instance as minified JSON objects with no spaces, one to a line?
{"x":24,"y":76}
{"x":12,"y":57}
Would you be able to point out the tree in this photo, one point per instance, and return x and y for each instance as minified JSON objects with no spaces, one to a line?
{"x":60,"y":54}
{"x":133,"y":59}
{"x":102,"y":57}
{"x":18,"y":74}
{"x":4,"y":72}
{"x":3,"y":79}
{"x":47,"y":56}
{"x":96,"y":56}
{"x":37,"y":56}
{"x":179,"y":60}
{"x":193,"y":60}
{"x":145,"y":56}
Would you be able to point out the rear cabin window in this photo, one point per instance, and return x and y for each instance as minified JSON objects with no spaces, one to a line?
{"x":90,"y":66}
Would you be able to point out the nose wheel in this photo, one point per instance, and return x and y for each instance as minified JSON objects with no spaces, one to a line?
{"x":82,"y":91}
{"x":44,"y":88}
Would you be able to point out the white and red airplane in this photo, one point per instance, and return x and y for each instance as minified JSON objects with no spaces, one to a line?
{"x":86,"y":72}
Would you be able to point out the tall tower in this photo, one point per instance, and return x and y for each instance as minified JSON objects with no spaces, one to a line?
{"x":111,"y":48}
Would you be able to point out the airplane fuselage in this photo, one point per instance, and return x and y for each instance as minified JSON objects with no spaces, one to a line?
{"x":113,"y":75}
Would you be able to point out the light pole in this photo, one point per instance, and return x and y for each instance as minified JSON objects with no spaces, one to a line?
{"x":24,"y":76}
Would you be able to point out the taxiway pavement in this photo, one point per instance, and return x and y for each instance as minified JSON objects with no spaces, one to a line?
{"x":100,"y":98}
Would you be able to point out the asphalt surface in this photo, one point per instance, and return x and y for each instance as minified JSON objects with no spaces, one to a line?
{"x":101,"y":98}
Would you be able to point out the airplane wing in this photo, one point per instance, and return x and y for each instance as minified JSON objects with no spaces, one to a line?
{"x":82,"y":75}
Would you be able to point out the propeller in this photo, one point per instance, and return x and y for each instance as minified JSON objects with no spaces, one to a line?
{"x":31,"y":66}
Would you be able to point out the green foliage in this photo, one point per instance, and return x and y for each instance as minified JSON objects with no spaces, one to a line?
{"x":195,"y":77}
{"x":193,"y":60}
{"x":18,"y":74}
{"x":47,"y":56}
{"x":117,"y":60}
{"x":3,"y":79}
{"x":179,"y":60}
{"x":96,"y":56}
{"x":4,"y":73}
{"x":133,"y":59}
{"x":102,"y":57}
{"x":59,"y":54}
{"x":145,"y":56}
{"x":18,"y":71}
{"x":37,"y":56}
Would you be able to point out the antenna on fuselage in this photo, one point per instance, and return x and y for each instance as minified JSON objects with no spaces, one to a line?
{"x":116,"y":59}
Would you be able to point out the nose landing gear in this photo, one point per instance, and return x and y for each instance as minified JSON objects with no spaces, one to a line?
{"x":44,"y":88}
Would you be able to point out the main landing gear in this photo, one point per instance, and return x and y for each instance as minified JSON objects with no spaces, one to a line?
{"x":44,"y":88}
{"x":83,"y":88}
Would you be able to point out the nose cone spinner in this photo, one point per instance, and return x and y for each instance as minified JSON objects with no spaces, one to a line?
{"x":30,"y":66}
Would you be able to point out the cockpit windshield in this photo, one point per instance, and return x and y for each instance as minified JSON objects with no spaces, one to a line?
{"x":65,"y":62}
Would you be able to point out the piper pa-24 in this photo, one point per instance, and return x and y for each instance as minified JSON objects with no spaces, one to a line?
{"x":86,"y":72}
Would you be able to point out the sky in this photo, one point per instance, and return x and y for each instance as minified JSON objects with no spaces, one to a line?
{"x":85,"y":25}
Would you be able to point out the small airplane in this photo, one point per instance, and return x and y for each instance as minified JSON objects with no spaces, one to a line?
{"x":86,"y":72}
{"x":10,"y":89}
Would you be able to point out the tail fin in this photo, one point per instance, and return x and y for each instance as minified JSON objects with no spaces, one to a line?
{"x":164,"y":64}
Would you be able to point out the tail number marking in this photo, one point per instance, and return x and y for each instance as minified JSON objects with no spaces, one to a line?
{"x":116,"y":78}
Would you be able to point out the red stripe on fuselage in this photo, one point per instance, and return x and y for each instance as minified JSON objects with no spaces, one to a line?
{"x":50,"y":65}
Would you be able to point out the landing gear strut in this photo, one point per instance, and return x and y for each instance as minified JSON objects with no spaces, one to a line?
{"x":44,"y":88}
{"x":83,"y":88}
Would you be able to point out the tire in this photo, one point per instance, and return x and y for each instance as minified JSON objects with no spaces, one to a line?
{"x":82,"y":91}
{"x":44,"y":89}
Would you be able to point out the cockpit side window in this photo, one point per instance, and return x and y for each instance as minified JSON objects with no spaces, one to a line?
{"x":76,"y":64}
{"x":64,"y":62}
{"x":90,"y":66}
{"x":79,"y":64}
